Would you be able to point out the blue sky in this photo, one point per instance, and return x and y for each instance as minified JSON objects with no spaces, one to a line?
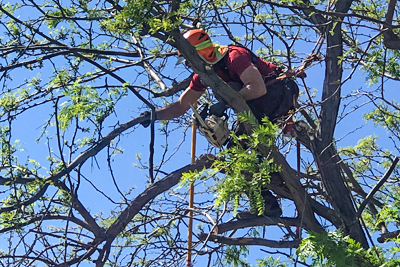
{"x":27,"y":129}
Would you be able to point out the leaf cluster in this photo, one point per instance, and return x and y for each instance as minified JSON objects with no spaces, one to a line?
{"x":332,"y":248}
{"x":386,"y":116}
{"x":146,"y":16}
{"x":245,"y":169}
{"x":236,"y":256}
{"x":85,"y":102}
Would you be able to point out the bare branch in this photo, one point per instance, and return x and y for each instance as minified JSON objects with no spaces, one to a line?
{"x":248,"y":241}
{"x":154,"y":190}
{"x":259,"y":221}
{"x":376,"y":187}
{"x":175,"y":88}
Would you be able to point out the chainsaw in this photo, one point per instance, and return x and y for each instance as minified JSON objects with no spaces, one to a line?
{"x":215,"y":129}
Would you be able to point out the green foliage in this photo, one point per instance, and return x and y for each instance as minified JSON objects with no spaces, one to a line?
{"x":269,"y":261}
{"x":10,"y":8}
{"x":220,"y":3}
{"x":334,"y":249}
{"x":138,"y":17}
{"x":236,"y":256}
{"x":61,"y":78}
{"x":165,"y":25}
{"x":372,"y":8}
{"x":8,"y":103}
{"x":62,"y":14}
{"x":11,"y":101}
{"x":192,"y":176}
{"x":18,"y":192}
{"x":362,"y":153}
{"x":264,"y":133}
{"x":7,"y":148}
{"x":378,"y":62}
{"x":85,"y":102}
{"x":245,"y":169}
{"x":330,"y":249}
{"x":388,"y":214}
{"x":332,"y":31}
{"x":386,"y":116}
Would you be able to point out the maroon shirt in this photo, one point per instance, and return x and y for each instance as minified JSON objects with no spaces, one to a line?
{"x":236,"y":60}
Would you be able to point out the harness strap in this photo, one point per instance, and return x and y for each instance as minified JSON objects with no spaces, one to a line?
{"x":222,"y":64}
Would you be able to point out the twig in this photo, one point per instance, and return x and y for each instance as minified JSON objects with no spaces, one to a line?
{"x":376,"y":187}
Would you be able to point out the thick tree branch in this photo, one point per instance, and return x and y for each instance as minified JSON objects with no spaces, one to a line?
{"x":300,"y":196}
{"x":17,"y":180}
{"x":389,"y":235}
{"x":247,"y":241}
{"x":48,"y":47}
{"x":321,"y":142}
{"x":259,"y":221}
{"x":154,"y":190}
{"x":208,"y":76}
{"x":96,"y":148}
{"x":391,"y":40}
{"x":39,"y":218}
{"x":337,"y":192}
{"x":332,"y":89}
{"x":26,"y":202}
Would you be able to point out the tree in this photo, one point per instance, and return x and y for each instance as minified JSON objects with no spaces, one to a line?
{"x":74,"y":73}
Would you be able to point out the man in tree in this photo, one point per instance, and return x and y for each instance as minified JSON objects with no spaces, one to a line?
{"x":262,"y":84}
{"x":237,"y":66}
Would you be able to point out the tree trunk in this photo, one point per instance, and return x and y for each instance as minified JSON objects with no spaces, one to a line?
{"x":323,"y":146}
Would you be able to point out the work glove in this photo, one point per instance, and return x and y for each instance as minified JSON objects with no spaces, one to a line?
{"x":301,"y":74}
{"x":147,"y":118}
{"x":218,"y":109}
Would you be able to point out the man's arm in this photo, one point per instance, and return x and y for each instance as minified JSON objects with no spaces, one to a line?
{"x":254,"y":85}
{"x":179,"y":107}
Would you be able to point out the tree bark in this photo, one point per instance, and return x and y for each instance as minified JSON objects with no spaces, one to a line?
{"x":248,"y":241}
{"x":323,"y":147}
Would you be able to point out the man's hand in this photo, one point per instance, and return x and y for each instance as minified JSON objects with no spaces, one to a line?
{"x":147,"y":118}
{"x":301,"y":74}
{"x":293,"y":73}
{"x":290,"y":73}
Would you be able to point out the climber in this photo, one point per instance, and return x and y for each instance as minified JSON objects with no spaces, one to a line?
{"x":261,"y":83}
{"x":235,"y":65}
